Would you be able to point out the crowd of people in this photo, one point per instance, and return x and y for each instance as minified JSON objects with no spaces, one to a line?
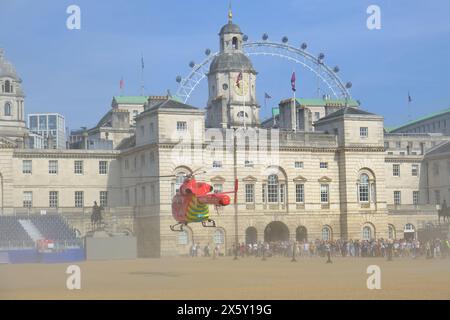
{"x":337,"y":248}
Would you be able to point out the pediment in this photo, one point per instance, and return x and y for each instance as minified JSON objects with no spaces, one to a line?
{"x":299,"y":179}
{"x":325,"y":179}
{"x":218,"y":179}
{"x":249,"y":179}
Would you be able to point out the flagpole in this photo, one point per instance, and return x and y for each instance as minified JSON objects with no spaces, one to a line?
{"x":295,"y":105}
{"x":142,"y":74}
{"x":243,"y":90}
{"x":409,"y":107}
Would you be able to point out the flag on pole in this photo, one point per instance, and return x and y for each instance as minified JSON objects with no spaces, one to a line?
{"x":121,"y":83}
{"x":142,"y":62}
{"x":266,"y":96}
{"x":239,"y":79}
{"x":409,"y":97}
{"x":293,"y":81}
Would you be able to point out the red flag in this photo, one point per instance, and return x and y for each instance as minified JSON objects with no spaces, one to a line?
{"x":121,"y":83}
{"x":293,"y":81}
{"x":238,"y":80}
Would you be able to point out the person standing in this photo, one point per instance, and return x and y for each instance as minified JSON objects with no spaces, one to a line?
{"x":328,"y":252}
{"x":390,"y":249}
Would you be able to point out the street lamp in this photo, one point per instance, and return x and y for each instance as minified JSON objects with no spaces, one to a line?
{"x":236,"y":240}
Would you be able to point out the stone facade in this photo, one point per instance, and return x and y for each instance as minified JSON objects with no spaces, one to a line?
{"x":330,"y":177}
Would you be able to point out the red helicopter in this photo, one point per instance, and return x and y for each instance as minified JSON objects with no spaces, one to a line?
{"x":191,"y":203}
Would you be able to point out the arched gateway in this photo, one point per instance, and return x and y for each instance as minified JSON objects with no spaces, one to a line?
{"x":276,"y":231}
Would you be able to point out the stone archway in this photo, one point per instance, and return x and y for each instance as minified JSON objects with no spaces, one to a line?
{"x":276,"y":231}
{"x":301,"y":234}
{"x":251,"y":235}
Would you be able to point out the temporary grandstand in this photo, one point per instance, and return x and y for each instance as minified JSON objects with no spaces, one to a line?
{"x":38,"y":238}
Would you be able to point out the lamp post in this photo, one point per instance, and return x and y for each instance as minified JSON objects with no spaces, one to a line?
{"x":236,"y":240}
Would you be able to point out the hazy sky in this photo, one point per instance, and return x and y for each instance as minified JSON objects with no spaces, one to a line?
{"x":77,"y":72}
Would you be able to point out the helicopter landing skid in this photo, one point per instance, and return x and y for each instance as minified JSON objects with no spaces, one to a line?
{"x":177,"y":227}
{"x":209,"y":224}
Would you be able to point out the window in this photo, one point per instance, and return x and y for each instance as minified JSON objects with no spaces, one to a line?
{"x":219,"y":237}
{"x":363,"y":188}
{"x":217,"y":164}
{"x":142,"y":129}
{"x":27,"y":167}
{"x":367,"y":233}
{"x":52,"y":122}
{"x":326,"y":233}
{"x":264,"y":192}
{"x":142,"y":160}
{"x":235,"y":43}
{"x":218,"y":187}
{"x":104,"y":198}
{"x":143,"y":196}
{"x":324,"y":193}
{"x":249,"y":193}
{"x":183,"y":238}
{"x":53,"y":199}
{"x":298,"y":165}
{"x":152,"y":156}
{"x":436,"y":169}
{"x":102,"y":167}
{"x":396,"y":170}
{"x":414,"y":170}
{"x":391,"y":232}
{"x":300,"y":193}
{"x":272,"y":188}
{"x":324,"y":165}
{"x":7,"y":109}
{"x":53,"y":166}
{"x":386,"y":145}
{"x":398,"y":144}
{"x":43,"y":122}
{"x":79,"y":199}
{"x":8,"y":87}
{"x":397,"y":197}
{"x":127,"y":197}
{"x":248,"y":164}
{"x":27,"y":199}
{"x":363,"y":132}
{"x":241,"y":114}
{"x":127,"y":164}
{"x":437,"y":196}
{"x":316,"y":116}
{"x":78,"y":167}
{"x":152,"y":194}
{"x":282,"y":192}
{"x":181,"y":125}
{"x":415,"y":197}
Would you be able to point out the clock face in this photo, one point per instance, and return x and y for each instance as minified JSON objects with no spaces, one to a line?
{"x":242,"y":89}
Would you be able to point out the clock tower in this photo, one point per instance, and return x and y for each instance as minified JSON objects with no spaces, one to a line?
{"x":232,"y":83}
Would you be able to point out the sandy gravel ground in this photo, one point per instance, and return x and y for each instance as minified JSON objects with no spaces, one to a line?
{"x":223,"y":278}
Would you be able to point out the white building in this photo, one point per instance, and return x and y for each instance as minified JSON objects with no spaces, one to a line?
{"x":337,"y":176}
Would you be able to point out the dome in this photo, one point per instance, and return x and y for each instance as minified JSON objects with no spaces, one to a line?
{"x":6,"y":68}
{"x":233,"y":61}
{"x":230,"y":28}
